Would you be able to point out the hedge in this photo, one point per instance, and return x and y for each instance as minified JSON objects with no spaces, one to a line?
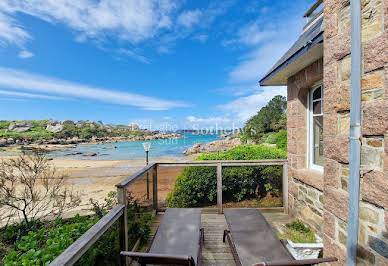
{"x":197,"y":186}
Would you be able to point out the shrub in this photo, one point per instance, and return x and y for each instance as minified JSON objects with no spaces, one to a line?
{"x":197,"y":186}
{"x":41,"y":246}
{"x":281,"y":140}
{"x":10,"y":234}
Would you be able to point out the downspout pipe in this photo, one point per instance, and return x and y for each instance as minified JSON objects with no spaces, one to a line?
{"x":355,"y":133}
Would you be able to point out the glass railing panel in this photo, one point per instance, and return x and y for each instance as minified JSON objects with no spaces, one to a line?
{"x":141,"y":191}
{"x":195,"y":186}
{"x":252,"y":186}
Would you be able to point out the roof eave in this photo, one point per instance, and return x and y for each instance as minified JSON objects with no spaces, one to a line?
{"x":266,"y":79}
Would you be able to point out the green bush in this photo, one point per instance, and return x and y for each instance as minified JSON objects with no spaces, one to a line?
{"x":10,"y":234}
{"x":281,"y":140}
{"x":41,"y":246}
{"x":45,"y":241}
{"x":197,"y":186}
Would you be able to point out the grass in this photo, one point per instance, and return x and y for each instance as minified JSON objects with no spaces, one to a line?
{"x":297,"y":232}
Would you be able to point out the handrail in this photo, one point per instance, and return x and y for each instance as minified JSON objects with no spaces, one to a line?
{"x":133,"y":178}
{"x":225,"y":163}
{"x":82,"y":244}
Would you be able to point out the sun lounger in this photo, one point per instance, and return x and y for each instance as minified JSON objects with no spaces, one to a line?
{"x":178,"y":239}
{"x":253,"y":242}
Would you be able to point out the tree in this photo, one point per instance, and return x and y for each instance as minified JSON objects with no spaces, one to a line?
{"x":30,"y":188}
{"x":270,"y":118}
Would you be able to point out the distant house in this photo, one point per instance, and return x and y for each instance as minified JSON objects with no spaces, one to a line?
{"x":316,"y":71}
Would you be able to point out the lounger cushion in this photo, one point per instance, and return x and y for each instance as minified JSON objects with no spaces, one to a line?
{"x":178,"y":233}
{"x":253,"y":237}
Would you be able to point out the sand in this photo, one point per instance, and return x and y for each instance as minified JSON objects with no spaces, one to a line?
{"x":95,"y":178}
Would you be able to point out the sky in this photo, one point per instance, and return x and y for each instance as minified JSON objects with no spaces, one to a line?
{"x":164,"y":64}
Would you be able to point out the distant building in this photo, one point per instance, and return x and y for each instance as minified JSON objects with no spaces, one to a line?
{"x":133,"y":127}
{"x":316,"y":71}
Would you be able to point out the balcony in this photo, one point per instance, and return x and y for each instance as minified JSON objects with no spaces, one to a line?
{"x":149,"y":192}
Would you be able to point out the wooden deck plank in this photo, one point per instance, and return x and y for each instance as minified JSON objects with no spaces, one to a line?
{"x":215,"y":252}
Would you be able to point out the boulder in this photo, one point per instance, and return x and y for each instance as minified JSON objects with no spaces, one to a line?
{"x":214,"y":146}
{"x":20,"y":126}
{"x":90,"y":154}
{"x":52,"y":122}
{"x":67,"y":122}
{"x":10,"y":141}
{"x":3,"y":142}
{"x":112,"y":147}
{"x":55,"y":128}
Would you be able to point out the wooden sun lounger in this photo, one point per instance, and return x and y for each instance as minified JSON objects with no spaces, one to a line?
{"x":253,"y":242}
{"x":178,"y":240}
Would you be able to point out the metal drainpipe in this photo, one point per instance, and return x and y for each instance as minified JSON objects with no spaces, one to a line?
{"x":355,"y":133}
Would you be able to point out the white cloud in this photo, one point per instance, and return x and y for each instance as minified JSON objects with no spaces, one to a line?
{"x":29,"y":95}
{"x":189,"y":18}
{"x":134,"y":55}
{"x":14,"y":79}
{"x":25,"y":54}
{"x":245,"y":107}
{"x":127,"y":19}
{"x":256,"y":64}
{"x":11,"y":32}
{"x":267,"y":39}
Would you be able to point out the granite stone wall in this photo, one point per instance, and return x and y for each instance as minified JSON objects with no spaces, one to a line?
{"x":373,"y":238}
{"x":305,"y":186}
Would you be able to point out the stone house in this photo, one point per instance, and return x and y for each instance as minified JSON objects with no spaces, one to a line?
{"x":316,"y":71}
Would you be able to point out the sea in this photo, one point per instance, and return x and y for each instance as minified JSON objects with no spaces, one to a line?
{"x":161,"y":148}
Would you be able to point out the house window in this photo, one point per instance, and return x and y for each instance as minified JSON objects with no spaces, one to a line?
{"x":316,"y":128}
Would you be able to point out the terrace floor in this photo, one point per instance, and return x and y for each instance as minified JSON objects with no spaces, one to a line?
{"x":215,"y":252}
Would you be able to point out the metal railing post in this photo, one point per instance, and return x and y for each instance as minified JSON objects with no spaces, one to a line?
{"x":123,"y":223}
{"x":285,"y":187}
{"x":155,"y":187}
{"x":219,"y":188}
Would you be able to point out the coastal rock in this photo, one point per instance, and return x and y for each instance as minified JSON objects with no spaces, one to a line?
{"x":3,"y":142}
{"x":80,"y":124}
{"x":10,"y":141}
{"x":112,"y":147}
{"x":67,"y":122}
{"x":52,"y":122}
{"x":222,"y":136}
{"x":90,"y":154}
{"x":220,"y":145}
{"x":20,"y":126}
{"x":54,"y":128}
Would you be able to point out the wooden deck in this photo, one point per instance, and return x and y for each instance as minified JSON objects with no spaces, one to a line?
{"x":215,"y":252}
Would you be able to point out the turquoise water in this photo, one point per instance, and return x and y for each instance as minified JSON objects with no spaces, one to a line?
{"x":134,"y":149}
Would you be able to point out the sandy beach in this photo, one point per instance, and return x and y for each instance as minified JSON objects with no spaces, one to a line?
{"x":95,"y":178}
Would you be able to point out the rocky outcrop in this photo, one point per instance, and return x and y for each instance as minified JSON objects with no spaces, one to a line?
{"x":67,"y":122}
{"x":23,"y":126}
{"x":54,"y":127}
{"x":220,"y":145}
{"x":223,"y":136}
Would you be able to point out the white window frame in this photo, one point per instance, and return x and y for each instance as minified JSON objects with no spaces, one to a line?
{"x":310,"y":148}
